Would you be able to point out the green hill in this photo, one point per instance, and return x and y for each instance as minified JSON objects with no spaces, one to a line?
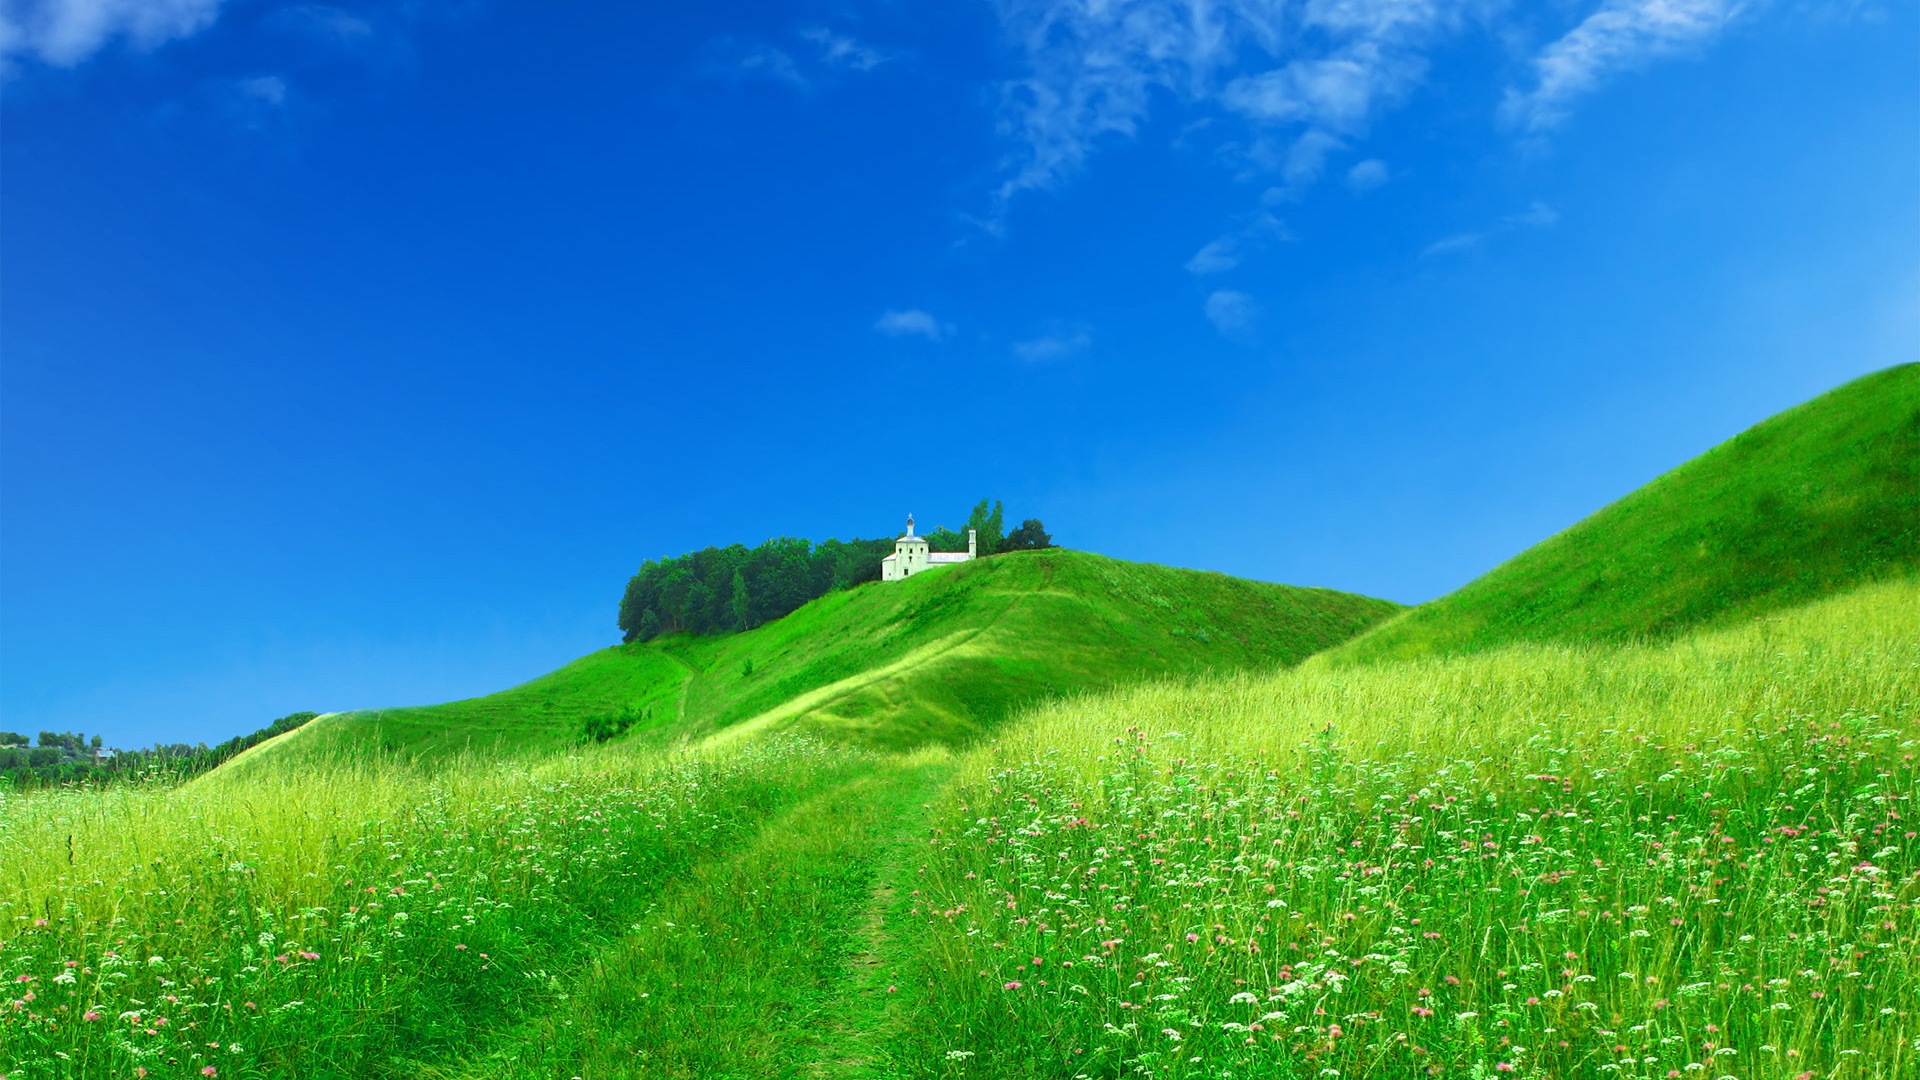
{"x":937,"y":658}
{"x":1809,"y":502}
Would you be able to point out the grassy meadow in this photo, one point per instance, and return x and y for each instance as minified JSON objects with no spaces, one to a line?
{"x":355,"y":917}
{"x":1691,"y":859}
{"x":1640,"y":803}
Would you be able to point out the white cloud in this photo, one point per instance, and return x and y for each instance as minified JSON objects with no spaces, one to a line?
{"x":1537,"y":215}
{"x":265,"y":89}
{"x":1232,"y":313}
{"x":65,"y":32}
{"x":1095,"y":66}
{"x":1223,"y":253}
{"x":841,"y":51}
{"x":1366,"y":176}
{"x":325,"y":22}
{"x":912,"y":323}
{"x":1453,"y":245}
{"x":1308,"y":77}
{"x":1217,"y":257}
{"x":1052,"y":346}
{"x":728,"y":57}
{"x":1622,"y":34}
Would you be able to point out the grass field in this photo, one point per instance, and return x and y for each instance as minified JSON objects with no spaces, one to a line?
{"x":1056,"y":815}
{"x":1813,"y":500}
{"x":1693,"y":859}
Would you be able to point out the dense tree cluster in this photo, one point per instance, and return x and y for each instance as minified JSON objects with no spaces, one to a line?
{"x":66,"y":758}
{"x":717,"y":590}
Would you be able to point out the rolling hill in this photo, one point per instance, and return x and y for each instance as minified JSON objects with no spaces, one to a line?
{"x":938,"y":658}
{"x":1807,"y":503}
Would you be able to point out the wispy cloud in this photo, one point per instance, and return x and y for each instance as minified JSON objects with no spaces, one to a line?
{"x":818,"y":54}
{"x":1366,"y":176}
{"x":739,"y":60}
{"x":1453,"y":245}
{"x":1307,"y":78}
{"x":1052,"y":346}
{"x":1323,"y":68}
{"x":265,"y":89}
{"x":324,"y":22}
{"x":1537,"y":215}
{"x":1232,"y":313}
{"x":843,"y":51}
{"x":63,"y":33}
{"x":912,"y":323}
{"x":1223,"y":253}
{"x":1621,"y":35}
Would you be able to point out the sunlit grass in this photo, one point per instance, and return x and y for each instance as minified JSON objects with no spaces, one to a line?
{"x":1696,"y":860}
{"x":351,"y":918}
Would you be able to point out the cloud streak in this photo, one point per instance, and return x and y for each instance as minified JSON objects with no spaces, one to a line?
{"x":1308,"y":78}
{"x":912,"y":323}
{"x":1619,"y":36}
{"x":1321,"y":68}
{"x":62,"y":33}
{"x":1050,"y":347}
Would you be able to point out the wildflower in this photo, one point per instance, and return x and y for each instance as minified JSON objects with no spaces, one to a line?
{"x":1014,"y":985}
{"x":90,"y":1015}
{"x":209,"y":1071}
{"x":1503,"y":1067}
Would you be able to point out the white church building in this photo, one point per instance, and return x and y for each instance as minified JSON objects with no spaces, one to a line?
{"x":910,"y":555}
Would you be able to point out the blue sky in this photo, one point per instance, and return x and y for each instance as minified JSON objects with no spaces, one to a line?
{"x":355,"y":355}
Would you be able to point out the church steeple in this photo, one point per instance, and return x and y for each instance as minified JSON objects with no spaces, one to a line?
{"x":909,"y":535}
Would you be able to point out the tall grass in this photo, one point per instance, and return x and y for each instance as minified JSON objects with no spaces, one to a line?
{"x":352,"y":918}
{"x":1695,"y":860}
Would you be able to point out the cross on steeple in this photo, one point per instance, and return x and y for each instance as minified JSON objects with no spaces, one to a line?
{"x":909,"y":526}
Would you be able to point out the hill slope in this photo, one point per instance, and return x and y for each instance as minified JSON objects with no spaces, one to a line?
{"x":1811,"y":501}
{"x":937,"y":658}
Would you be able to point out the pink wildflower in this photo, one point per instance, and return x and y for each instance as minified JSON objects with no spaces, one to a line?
{"x":1014,"y":985}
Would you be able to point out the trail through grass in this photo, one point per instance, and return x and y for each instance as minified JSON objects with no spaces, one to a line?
{"x":940,"y":658}
{"x":360,"y":920}
{"x":759,"y":965}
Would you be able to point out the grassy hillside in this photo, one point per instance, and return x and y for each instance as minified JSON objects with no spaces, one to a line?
{"x":939,"y":657}
{"x":1811,"y":501}
{"x":1693,"y":857}
{"x":1690,"y":858}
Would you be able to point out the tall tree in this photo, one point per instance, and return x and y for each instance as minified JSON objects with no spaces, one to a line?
{"x":988,"y":527}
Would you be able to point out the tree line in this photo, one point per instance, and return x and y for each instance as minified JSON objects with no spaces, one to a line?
{"x":58,"y":757}
{"x":719,"y":590}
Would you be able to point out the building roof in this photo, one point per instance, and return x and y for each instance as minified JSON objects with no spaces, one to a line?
{"x":948,"y":556}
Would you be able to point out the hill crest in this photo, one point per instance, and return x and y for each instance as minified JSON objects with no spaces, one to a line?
{"x":1806,"y":503}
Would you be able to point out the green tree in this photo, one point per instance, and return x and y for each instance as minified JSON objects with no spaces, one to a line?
{"x":741,"y":605}
{"x":1029,"y":536}
{"x":988,"y":527}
